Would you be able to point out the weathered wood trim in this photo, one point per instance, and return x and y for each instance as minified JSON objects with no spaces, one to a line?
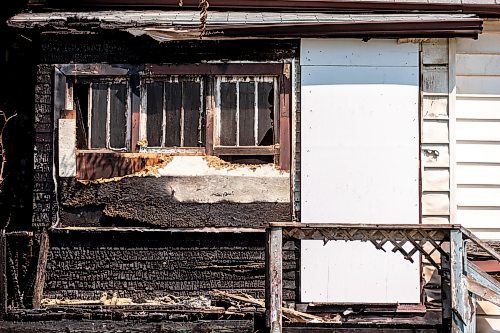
{"x":274,"y":244}
{"x":446,"y":289}
{"x":365,"y":226}
{"x":41,"y":270}
{"x":257,"y":150}
{"x":285,"y":87}
{"x":215,"y":69}
{"x":136,"y":113}
{"x":210,"y":107}
{"x":476,"y":275}
{"x":483,"y":292}
{"x":452,"y":49}
{"x":481,"y":244}
{"x":456,"y":271}
{"x":99,"y":69}
{"x":231,"y":230}
{"x":3,"y":274}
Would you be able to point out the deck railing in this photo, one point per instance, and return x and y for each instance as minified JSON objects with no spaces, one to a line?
{"x":461,"y":280}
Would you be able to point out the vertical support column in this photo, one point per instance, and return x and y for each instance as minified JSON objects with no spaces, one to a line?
{"x":274,"y":297}
{"x":462,"y":303}
{"x":285,"y":92}
{"x":40,"y":270}
{"x":3,"y":274}
{"x":446,"y":290}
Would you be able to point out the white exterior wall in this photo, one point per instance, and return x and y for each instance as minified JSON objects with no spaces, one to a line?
{"x":478,"y":133}
{"x":360,"y":164}
{"x":477,"y":147}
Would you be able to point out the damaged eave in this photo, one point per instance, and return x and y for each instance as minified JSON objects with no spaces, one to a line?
{"x":184,"y":25}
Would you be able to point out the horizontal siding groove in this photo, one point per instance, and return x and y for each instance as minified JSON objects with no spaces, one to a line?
{"x":479,"y":186}
{"x":479,"y":163}
{"x":478,"y":96}
{"x":485,"y":207}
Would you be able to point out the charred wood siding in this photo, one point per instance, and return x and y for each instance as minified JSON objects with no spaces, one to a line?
{"x":83,"y":265}
{"x":44,"y":199}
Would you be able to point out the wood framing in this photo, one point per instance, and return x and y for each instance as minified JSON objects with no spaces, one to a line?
{"x":40,"y":270}
{"x":133,"y":74}
{"x":3,"y":274}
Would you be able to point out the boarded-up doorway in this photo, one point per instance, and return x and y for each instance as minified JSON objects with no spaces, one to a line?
{"x":360,"y":164}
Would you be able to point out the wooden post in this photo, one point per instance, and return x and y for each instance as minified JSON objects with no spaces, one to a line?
{"x":40,"y":270}
{"x":3,"y":274}
{"x":274,"y":254}
{"x":462,"y":303}
{"x":446,"y":289}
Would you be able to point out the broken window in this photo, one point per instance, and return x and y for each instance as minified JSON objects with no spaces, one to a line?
{"x":228,"y":110}
{"x":246,"y":111}
{"x":103,"y":113}
{"x":172,"y":112}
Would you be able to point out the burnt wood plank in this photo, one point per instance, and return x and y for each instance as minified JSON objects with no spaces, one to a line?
{"x":247,"y":113}
{"x":98,"y":115}
{"x":118,"y":115}
{"x":227,"y":121}
{"x":173,"y":104}
{"x":191,"y":103}
{"x":154,"y":111}
{"x":3,"y":274}
{"x":41,"y":270}
{"x":113,"y":326}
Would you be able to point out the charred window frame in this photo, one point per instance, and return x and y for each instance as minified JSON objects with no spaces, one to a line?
{"x":103,"y":112}
{"x":172,"y":117}
{"x":255,"y":78}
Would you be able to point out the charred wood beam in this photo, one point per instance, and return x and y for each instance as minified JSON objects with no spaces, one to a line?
{"x":3,"y":274}
{"x":111,"y":326}
{"x":40,"y":270}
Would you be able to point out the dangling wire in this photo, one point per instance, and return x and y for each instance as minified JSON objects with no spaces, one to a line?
{"x":203,"y":5}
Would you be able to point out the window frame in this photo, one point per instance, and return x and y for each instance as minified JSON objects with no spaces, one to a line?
{"x":208,"y":72}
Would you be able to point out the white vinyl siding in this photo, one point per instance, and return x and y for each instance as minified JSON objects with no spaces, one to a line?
{"x":478,"y":134}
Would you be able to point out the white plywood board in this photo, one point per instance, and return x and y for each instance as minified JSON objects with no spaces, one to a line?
{"x":485,"y":107}
{"x":353,"y":52}
{"x":436,"y":179}
{"x":435,"y":155}
{"x":435,"y":220}
{"x":491,"y":234}
{"x":478,"y":152}
{"x":360,"y":145}
{"x":435,"y":79}
{"x":477,"y":130}
{"x":478,"y":174}
{"x":67,"y":147}
{"x":435,"y":131}
{"x":435,"y":107}
{"x":435,"y":52}
{"x":478,"y":64}
{"x":435,"y":203}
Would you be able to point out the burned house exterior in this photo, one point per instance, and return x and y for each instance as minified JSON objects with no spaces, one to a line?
{"x":167,"y":140}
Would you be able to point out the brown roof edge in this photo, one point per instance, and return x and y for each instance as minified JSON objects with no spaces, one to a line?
{"x":481,"y":8}
{"x":453,"y":28}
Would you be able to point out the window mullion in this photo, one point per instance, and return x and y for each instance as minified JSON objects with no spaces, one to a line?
{"x":256,"y":115}
{"x":164,"y":115}
{"x":89,"y":116}
{"x":108,"y":117}
{"x":182,"y":113}
{"x":237,"y":113}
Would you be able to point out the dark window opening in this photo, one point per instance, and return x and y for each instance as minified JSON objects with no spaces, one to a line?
{"x":247,"y":112}
{"x":175,"y":116}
